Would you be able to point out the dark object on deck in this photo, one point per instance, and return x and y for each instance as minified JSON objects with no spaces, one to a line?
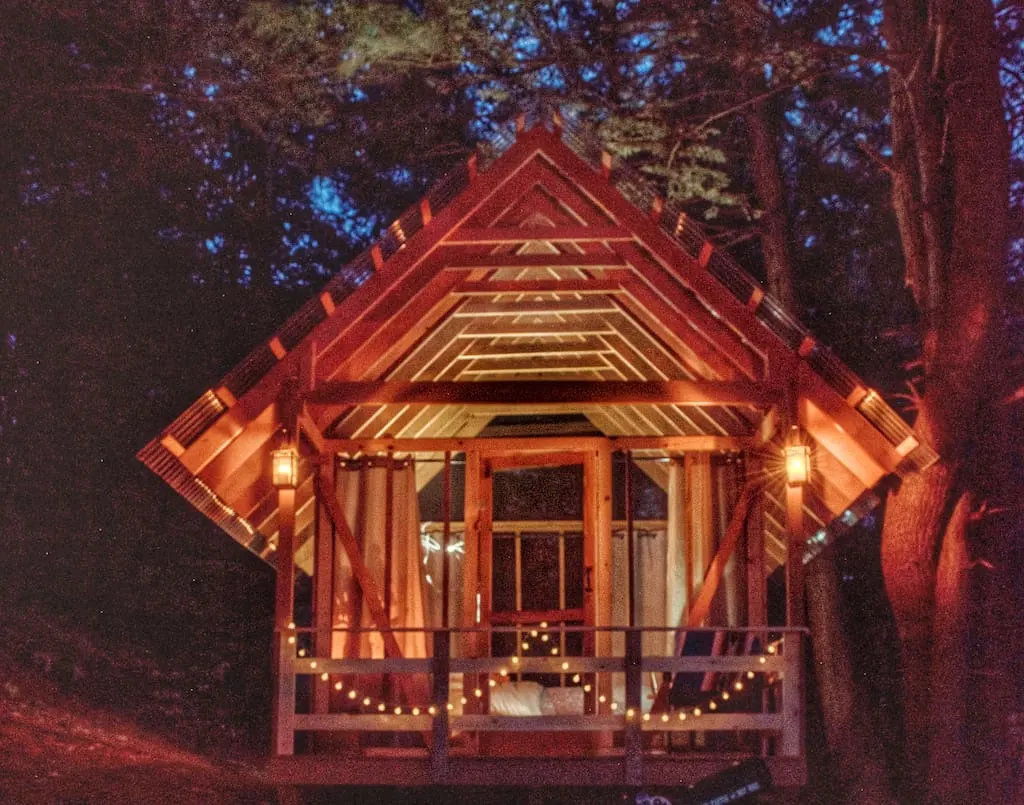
{"x":740,"y":783}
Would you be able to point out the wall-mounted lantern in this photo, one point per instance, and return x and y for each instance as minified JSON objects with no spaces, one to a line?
{"x":798,"y":464}
{"x":284,"y":468}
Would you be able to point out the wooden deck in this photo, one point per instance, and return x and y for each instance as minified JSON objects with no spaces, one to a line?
{"x":412,"y":767}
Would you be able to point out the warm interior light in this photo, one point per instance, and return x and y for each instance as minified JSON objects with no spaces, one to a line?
{"x":284,"y":468}
{"x":798,"y":464}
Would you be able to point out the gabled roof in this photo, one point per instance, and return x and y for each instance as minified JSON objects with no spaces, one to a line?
{"x":557,"y":280}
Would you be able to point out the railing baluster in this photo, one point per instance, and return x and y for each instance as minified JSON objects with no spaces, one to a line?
{"x":633,"y":740}
{"x":284,"y":715}
{"x":440,"y":733}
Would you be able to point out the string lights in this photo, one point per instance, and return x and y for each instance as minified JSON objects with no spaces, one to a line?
{"x":369,"y":703}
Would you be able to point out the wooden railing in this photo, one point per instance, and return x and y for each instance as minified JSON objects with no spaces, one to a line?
{"x":442,"y":693}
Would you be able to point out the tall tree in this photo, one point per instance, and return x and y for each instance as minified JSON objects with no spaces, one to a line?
{"x":950,"y":194}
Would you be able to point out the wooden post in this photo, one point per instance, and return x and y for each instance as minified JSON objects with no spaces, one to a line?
{"x":796,"y":533}
{"x":601,"y":583}
{"x":389,"y":549}
{"x":470,"y":643}
{"x":757,"y":606}
{"x":323,"y":581}
{"x":633,"y":738}
{"x":630,"y":547}
{"x":446,"y":514}
{"x":284,"y":605}
{"x":439,"y":698}
{"x":792,"y":741}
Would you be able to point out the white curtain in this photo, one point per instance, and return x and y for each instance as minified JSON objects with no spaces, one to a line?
{"x":362,"y":493}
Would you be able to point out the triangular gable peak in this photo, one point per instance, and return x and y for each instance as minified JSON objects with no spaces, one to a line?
{"x":547,"y":285}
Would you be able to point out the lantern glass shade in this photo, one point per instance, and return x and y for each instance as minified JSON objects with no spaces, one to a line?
{"x":284,"y":468}
{"x":798,"y":464}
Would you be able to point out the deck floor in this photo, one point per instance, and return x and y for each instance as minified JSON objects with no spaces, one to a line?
{"x":412,"y":767}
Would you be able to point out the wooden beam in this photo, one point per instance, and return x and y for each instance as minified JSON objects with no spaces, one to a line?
{"x":567,"y":393}
{"x":469,"y":236}
{"x":578,"y":325}
{"x":533,"y":286}
{"x":460,"y":261}
{"x":542,"y":307}
{"x":560,"y":364}
{"x":537,"y":444}
{"x":585,"y":346}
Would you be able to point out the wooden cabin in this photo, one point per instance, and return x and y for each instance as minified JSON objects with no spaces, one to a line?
{"x":525,"y":469}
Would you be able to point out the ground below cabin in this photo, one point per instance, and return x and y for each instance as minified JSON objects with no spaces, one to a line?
{"x":117,"y":743}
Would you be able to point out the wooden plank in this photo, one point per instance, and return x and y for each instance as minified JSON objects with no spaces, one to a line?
{"x":358,"y":665}
{"x":498,"y":349}
{"x":544,"y":392}
{"x":528,"y":460}
{"x":365,"y":722}
{"x":470,"y":236}
{"x":673,"y":771}
{"x":583,"y":287}
{"x":489,"y":723}
{"x":577,"y":325}
{"x":459,"y":261}
{"x":413,"y":769}
{"x":533,"y":368}
{"x":477,"y":308}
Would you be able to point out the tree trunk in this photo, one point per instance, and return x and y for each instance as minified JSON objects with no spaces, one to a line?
{"x":950,"y":194}
{"x":770,"y":189}
{"x":851,"y":742}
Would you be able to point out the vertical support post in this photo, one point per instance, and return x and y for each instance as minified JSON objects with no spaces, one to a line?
{"x":602,"y":578}
{"x":389,"y":551}
{"x":792,"y":741}
{"x":446,"y":515}
{"x":757,"y":606}
{"x":284,"y":605}
{"x":470,"y":644}
{"x":796,"y":537}
{"x":690,"y":535}
{"x":602,"y":575}
{"x":323,"y":581}
{"x":439,"y":744}
{"x":632,"y":740}
{"x":630,"y":546}
{"x":485,"y":546}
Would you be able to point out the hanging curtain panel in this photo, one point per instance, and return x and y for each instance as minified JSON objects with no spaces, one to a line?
{"x":362,"y":489}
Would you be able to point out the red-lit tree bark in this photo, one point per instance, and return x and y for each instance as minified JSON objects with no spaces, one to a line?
{"x":950,"y":192}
